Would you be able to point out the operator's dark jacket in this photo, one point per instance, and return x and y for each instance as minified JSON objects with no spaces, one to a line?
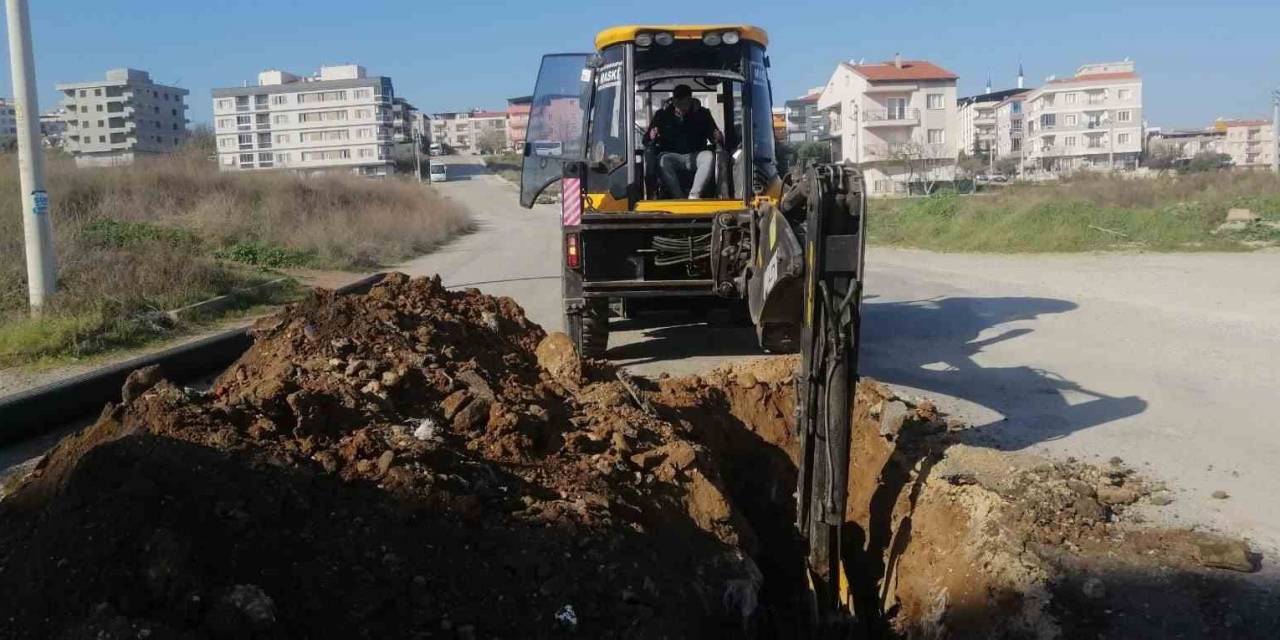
{"x":694,"y":133}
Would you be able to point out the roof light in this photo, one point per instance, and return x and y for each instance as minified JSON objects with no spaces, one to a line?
{"x":644,"y":39}
{"x":730,"y":37}
{"x":711,"y":39}
{"x":664,"y":38}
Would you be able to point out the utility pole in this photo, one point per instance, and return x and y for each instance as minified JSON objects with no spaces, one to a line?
{"x":417,"y":153}
{"x":37,"y":228}
{"x":1275,"y":131}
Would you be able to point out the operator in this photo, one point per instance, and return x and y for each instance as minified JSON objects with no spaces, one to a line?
{"x":684,"y":133}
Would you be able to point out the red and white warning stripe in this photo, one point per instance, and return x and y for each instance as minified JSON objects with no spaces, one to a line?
{"x":571,"y":202}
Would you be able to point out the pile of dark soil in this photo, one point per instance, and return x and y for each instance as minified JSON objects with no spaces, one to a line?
{"x":391,"y":465}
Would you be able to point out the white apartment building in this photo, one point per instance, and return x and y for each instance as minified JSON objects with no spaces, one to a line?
{"x":124,"y":116}
{"x":1092,"y":120}
{"x":1250,"y":143}
{"x":462,"y":131}
{"x":896,"y":119}
{"x":340,"y":119}
{"x":979,"y":120}
{"x":1010,"y":126}
{"x":1188,"y":143}
{"x":8,"y":122}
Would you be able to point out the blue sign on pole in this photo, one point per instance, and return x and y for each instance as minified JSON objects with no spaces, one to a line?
{"x":40,"y":202}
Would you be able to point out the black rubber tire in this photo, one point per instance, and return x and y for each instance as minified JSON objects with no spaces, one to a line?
{"x":592,"y":337}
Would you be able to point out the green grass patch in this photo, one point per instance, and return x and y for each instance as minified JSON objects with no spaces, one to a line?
{"x":117,"y":234}
{"x":1091,"y":214}
{"x":264,"y":254}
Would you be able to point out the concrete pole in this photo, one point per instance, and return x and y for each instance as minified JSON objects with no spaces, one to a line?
{"x":1275,"y":131}
{"x":37,"y":228}
{"x":417,"y":153}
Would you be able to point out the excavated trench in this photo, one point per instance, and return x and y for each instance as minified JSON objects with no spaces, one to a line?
{"x":418,"y":462}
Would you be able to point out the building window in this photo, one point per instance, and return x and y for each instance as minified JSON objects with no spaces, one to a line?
{"x":282,"y":158}
{"x":1070,"y":141}
{"x":102,"y":138}
{"x":1070,"y":119}
{"x":84,"y":109}
{"x":98,"y":107}
{"x":321,"y":96}
{"x":282,"y":138}
{"x":881,"y":186}
{"x":264,"y":157}
{"x":280,"y":99}
{"x":1097,"y":97}
{"x":364,"y":133}
{"x":280,"y":119}
{"x":226,"y":142}
{"x":934,"y":101}
{"x":173,"y":112}
{"x":937,"y":136}
{"x":228,"y":161}
{"x":363,"y":94}
{"x":102,"y":123}
{"x":224,"y":123}
{"x":334,"y":154}
{"x":246,"y":158}
{"x":364,"y":114}
{"x":175,"y":126}
{"x":84,"y":93}
{"x":322,"y":116}
{"x":1123,"y":138}
{"x":325,"y":136}
{"x":1124,"y":94}
{"x":366,"y":153}
{"x":224,"y":104}
{"x":246,"y":140}
{"x":1124,"y":116}
{"x":244,"y":122}
{"x":1070,"y":98}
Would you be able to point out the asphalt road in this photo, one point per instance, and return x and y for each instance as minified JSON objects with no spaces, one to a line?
{"x":1166,"y":361}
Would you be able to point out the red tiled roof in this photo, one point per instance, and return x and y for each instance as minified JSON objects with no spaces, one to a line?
{"x":1091,"y":77}
{"x":488,"y":114}
{"x":911,"y":70}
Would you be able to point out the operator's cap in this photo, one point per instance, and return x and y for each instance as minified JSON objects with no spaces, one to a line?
{"x":682,"y":91}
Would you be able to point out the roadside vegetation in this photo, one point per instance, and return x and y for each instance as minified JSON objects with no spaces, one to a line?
{"x":136,"y":241}
{"x":1088,"y":213}
{"x":506,"y":165}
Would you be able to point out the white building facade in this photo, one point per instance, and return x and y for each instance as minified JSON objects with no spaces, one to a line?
{"x":1250,"y":143}
{"x":464,"y":131}
{"x":341,"y":119}
{"x":897,"y":120}
{"x":119,"y":118}
{"x":1090,"y":121}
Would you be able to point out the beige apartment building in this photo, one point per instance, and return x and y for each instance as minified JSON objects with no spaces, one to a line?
{"x":8,"y":122}
{"x":123,"y":116}
{"x":1250,"y":143}
{"x":463,"y":131}
{"x":341,"y":119}
{"x":1089,"y":121}
{"x":979,"y":120}
{"x":1010,"y":126}
{"x":896,"y":119}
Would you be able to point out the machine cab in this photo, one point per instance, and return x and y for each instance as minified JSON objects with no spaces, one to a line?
{"x":595,"y":111}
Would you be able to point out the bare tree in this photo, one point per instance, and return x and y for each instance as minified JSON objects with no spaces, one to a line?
{"x":492,"y":141}
{"x":923,"y":162}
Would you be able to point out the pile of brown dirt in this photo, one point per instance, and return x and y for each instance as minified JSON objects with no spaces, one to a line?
{"x":948,"y":540}
{"x":421,"y":463}
{"x":390,"y":465}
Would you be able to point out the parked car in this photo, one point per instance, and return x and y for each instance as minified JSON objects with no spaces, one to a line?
{"x":438,"y":172}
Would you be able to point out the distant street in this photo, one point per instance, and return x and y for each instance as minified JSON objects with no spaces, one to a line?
{"x":1166,"y":361}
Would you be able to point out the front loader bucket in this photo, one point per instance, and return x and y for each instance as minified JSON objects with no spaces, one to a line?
{"x":775,"y":292}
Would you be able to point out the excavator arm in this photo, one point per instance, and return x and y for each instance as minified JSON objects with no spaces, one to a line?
{"x":832,"y":200}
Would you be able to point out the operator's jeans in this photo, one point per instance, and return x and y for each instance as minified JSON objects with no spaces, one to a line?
{"x":671,"y":165}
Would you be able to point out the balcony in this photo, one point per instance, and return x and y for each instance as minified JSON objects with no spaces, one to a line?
{"x":890,"y":117}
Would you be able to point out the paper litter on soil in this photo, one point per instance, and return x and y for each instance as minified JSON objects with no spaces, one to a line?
{"x":418,"y":462}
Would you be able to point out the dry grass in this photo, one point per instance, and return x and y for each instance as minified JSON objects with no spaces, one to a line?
{"x":1087,"y":213}
{"x":167,"y":232}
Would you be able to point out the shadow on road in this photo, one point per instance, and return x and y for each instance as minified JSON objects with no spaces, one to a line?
{"x":459,"y":170}
{"x":670,"y":337}
{"x":931,"y":345}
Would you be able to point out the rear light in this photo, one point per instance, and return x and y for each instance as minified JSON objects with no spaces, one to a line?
{"x":572,"y":251}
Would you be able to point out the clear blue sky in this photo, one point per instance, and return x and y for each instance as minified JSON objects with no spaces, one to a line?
{"x":1198,"y":60}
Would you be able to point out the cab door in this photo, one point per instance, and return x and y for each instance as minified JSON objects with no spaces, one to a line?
{"x":556,"y":122}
